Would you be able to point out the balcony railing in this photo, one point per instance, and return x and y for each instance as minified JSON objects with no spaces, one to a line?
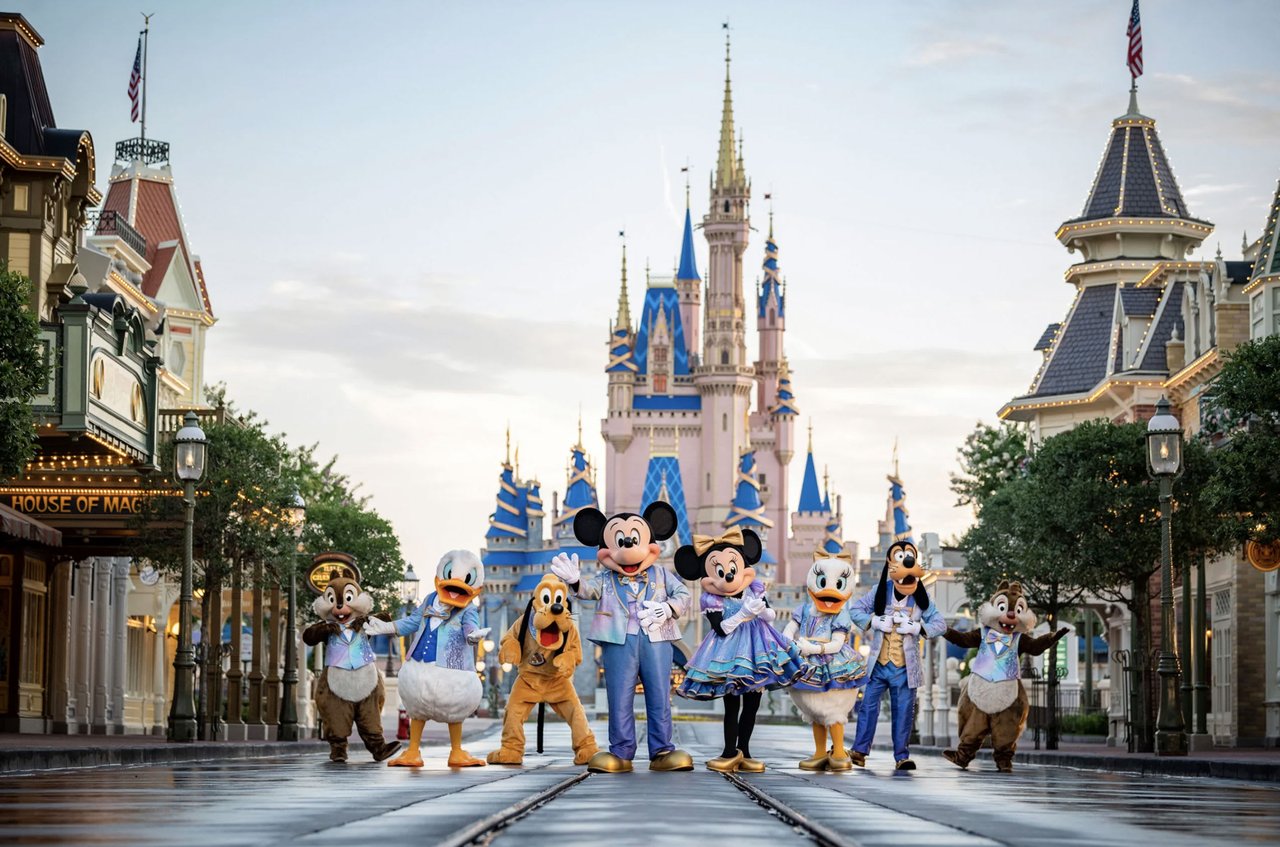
{"x":170,"y":420}
{"x":146,"y":150}
{"x":109,"y":222}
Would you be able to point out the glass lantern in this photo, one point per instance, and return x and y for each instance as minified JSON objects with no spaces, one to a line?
{"x":1164,"y":442}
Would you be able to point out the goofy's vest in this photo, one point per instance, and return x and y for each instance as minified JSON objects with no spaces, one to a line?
{"x":997,"y":659}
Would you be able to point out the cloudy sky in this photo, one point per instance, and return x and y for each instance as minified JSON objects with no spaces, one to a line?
{"x":408,"y":212}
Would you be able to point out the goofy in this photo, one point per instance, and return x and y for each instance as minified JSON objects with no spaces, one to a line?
{"x":896,"y":612}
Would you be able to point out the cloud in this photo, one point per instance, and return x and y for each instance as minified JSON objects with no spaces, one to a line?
{"x":953,"y":51}
{"x":1243,"y":102}
{"x":1202,"y":190}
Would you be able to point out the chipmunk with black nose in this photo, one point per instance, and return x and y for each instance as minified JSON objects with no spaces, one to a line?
{"x":350,"y":687}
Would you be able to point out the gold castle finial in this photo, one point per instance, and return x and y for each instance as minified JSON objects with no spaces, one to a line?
{"x":726,"y":170}
{"x":580,"y":428}
{"x":507,"y":460}
{"x":624,"y":301}
{"x":895,"y":458}
{"x":810,"y":435}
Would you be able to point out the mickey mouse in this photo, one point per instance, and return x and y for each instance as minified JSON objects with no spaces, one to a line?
{"x":634,"y":624}
{"x":742,"y":654}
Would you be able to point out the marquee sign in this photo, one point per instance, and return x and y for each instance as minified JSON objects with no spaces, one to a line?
{"x":1264,"y":557}
{"x":80,"y":501}
{"x":329,"y":566}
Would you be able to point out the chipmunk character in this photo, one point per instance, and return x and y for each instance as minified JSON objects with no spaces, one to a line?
{"x":350,"y":687}
{"x":438,"y":680}
{"x":743,"y":654}
{"x":544,"y":643}
{"x":992,"y":699}
{"x":634,"y":624}
{"x":897,"y":612}
{"x":833,"y":670}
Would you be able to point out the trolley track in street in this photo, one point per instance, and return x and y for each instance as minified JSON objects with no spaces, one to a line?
{"x":483,"y":831}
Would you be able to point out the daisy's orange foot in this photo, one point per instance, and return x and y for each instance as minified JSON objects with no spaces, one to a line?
{"x":407,"y":759}
{"x":463,"y":759}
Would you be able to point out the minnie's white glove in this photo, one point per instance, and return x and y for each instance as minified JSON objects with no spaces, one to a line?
{"x":882,"y":623}
{"x":754,"y":606}
{"x":908,"y":627}
{"x":478,"y":635}
{"x":377,"y":626}
{"x":566,"y":568}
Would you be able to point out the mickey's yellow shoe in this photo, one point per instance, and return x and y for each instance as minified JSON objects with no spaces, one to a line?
{"x":606,"y":762}
{"x":672,"y":760}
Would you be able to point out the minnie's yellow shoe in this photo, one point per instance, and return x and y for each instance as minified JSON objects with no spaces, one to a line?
{"x":725,"y":764}
{"x":751,"y":766}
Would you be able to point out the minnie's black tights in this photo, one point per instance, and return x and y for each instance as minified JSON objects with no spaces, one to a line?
{"x":738,"y":729}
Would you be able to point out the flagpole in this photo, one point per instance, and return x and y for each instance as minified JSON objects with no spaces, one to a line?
{"x":146,"y":38}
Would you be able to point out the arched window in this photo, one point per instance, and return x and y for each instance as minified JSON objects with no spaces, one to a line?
{"x":772,"y":316}
{"x":726,"y":207}
{"x":724,"y":422}
{"x":724,"y":356}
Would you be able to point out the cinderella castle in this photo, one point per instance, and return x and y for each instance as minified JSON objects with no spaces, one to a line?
{"x":691,"y":419}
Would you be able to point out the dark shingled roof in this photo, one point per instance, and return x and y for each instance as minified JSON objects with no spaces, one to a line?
{"x":1170,"y":316}
{"x":29,"y":125}
{"x":1238,"y":272}
{"x":1078,"y":361}
{"x":1139,"y":302}
{"x":1135,"y":177}
{"x":1046,"y":338}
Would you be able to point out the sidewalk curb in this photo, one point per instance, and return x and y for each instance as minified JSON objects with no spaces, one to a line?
{"x":1144,"y":766}
{"x":17,"y":761}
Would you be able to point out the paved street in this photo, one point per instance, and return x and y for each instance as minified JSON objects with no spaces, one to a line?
{"x":308,"y":801}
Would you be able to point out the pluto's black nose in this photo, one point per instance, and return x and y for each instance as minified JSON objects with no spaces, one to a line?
{"x":557,"y":608}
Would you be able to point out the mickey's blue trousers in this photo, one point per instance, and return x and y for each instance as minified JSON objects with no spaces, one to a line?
{"x":638,"y":660}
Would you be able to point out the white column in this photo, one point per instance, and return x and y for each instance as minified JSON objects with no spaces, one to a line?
{"x":100,"y":641}
{"x":119,"y":640}
{"x":158,"y":681}
{"x":81,"y":645}
{"x":925,"y":724}
{"x":942,"y":719}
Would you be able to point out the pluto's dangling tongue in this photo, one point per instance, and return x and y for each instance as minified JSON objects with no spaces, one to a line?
{"x":549,"y":636}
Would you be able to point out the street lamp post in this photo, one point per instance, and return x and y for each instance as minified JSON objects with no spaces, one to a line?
{"x":190,"y":446}
{"x":1164,"y":457}
{"x":408,"y":595}
{"x":296,"y":512}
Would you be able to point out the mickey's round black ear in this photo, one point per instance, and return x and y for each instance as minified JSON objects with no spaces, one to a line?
{"x":588,"y":527}
{"x":752,"y":549}
{"x":689,"y":564}
{"x":661,"y":519}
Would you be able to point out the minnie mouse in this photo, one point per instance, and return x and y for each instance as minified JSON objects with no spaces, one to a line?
{"x":634,"y":624}
{"x":742,"y":654}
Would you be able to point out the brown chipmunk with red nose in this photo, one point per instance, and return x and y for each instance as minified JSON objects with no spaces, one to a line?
{"x":992,"y":699}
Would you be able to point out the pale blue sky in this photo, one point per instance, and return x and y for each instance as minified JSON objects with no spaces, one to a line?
{"x":408,"y":212}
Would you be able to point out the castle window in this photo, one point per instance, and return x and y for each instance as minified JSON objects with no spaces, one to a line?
{"x":660,"y":383}
{"x":772,"y":316}
{"x":764,"y":480}
{"x":726,"y":207}
{"x":724,"y":356}
{"x":21,"y":198}
{"x":724,"y":422}
{"x":708,"y":482}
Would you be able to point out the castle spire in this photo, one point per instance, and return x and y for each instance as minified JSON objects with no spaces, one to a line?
{"x":726,"y":164}
{"x":810,"y":496}
{"x":623,"y":320}
{"x":688,"y":269}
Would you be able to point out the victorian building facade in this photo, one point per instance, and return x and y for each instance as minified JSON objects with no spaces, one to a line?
{"x":1149,"y":318}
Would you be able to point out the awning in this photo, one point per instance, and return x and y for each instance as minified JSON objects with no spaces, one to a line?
{"x":17,"y":525}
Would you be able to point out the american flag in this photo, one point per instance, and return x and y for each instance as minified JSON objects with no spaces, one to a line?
{"x":135,"y":79}
{"x":1135,"y":43}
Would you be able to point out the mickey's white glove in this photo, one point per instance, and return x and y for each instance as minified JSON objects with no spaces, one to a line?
{"x":654,"y":614}
{"x":478,"y":635}
{"x":566,"y":568}
{"x":377,"y":626}
{"x":807,"y":647}
{"x":908,"y":627}
{"x":882,"y":623}
{"x":752,"y":607}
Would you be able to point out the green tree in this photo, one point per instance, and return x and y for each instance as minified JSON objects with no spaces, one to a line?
{"x":990,"y":457}
{"x":340,"y":518}
{"x":1244,"y":488}
{"x":23,"y":371}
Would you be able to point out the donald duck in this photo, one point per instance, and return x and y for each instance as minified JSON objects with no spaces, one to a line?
{"x":438,"y":681}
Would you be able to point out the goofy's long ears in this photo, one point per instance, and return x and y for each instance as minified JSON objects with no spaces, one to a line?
{"x":921,"y":596}
{"x":882,"y":591}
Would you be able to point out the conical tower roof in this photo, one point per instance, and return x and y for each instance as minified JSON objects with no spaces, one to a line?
{"x":747,"y":509}
{"x":810,"y":494}
{"x":1134,"y":179}
{"x":1266,"y":267}
{"x":771,"y":288}
{"x":688,"y":261}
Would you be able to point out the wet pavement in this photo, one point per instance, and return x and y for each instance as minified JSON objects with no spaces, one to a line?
{"x":305,"y":800}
